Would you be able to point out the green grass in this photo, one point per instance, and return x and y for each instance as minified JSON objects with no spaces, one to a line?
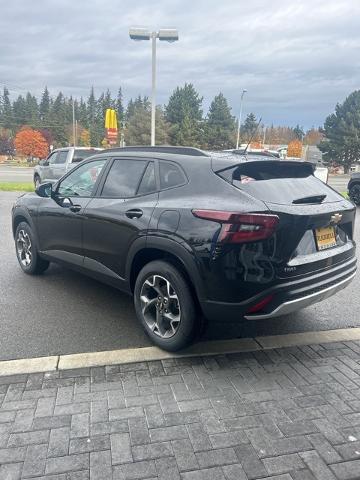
{"x":345,"y":195}
{"x":16,"y":187}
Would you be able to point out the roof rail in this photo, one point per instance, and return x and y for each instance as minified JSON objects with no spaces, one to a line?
{"x":162,"y":149}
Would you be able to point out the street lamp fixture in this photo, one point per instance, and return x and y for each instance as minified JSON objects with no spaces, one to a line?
{"x":239,"y":122}
{"x":164,"y":34}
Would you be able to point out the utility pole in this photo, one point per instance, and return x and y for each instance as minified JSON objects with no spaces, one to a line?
{"x":239,"y":121}
{"x":74,"y":127}
{"x":153,"y":87}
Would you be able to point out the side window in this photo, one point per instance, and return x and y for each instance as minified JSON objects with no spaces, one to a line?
{"x":61,"y":157}
{"x":170,"y":175}
{"x":80,"y":155}
{"x":123,"y":178}
{"x":52,"y":158}
{"x":148,"y":182}
{"x":81,"y":181}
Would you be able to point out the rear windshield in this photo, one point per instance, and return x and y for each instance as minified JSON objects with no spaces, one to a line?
{"x":279,"y":182}
{"x":80,"y":155}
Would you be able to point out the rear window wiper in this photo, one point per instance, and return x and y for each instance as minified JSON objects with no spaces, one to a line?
{"x":310,"y":199}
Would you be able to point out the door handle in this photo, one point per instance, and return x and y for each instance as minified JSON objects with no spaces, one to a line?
{"x":134,"y":213}
{"x":75,"y":208}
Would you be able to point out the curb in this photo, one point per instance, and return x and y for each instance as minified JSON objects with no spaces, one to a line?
{"x":145,"y":354}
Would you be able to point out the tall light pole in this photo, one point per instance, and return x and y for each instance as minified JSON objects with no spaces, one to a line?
{"x":164,"y":34}
{"x":239,"y":122}
{"x":73,"y":119}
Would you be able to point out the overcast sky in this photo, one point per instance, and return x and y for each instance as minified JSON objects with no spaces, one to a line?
{"x":297,"y":59}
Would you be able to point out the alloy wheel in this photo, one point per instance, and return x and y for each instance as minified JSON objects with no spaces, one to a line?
{"x":355,"y":194}
{"x":160,"y":306}
{"x":24,"y":248}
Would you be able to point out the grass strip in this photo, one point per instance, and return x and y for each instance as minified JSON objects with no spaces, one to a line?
{"x":16,"y":186}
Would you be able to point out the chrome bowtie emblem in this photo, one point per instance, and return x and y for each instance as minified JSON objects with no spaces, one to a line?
{"x":336,"y":218}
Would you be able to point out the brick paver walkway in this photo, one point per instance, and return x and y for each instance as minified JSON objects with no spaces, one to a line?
{"x":286,"y":414}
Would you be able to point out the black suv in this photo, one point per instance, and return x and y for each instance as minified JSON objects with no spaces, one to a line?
{"x":188,"y":232}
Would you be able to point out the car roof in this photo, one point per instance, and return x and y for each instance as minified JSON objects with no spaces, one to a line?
{"x":174,"y":150}
{"x":77,"y":148}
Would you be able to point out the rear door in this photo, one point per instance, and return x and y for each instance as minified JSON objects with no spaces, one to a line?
{"x":119,"y":213}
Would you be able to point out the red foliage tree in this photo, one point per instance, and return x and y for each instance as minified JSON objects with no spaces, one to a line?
{"x":294,"y":149}
{"x":31,"y":143}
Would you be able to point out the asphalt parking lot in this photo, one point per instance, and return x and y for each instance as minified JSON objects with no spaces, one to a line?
{"x":64,"y":312}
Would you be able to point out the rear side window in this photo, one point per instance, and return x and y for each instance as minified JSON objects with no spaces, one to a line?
{"x":124,"y":178}
{"x":80,"y":155}
{"x":171,"y":175}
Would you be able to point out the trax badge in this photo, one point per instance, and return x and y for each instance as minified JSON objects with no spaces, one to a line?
{"x":336,"y":218}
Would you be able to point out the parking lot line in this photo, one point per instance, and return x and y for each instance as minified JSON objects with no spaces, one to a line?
{"x":131,"y":355}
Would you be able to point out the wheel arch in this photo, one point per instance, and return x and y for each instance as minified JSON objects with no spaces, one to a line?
{"x":175,"y":253}
{"x":19,"y":217}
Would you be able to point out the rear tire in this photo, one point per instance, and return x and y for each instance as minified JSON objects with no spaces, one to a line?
{"x":354,"y":193}
{"x":26,"y":251}
{"x":165,"y":306}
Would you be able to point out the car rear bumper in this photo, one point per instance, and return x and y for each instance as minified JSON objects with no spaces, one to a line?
{"x":293,"y":305}
{"x":286,"y":297}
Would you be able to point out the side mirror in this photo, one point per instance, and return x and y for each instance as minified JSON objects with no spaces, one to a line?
{"x":44,"y":163}
{"x":44,"y":190}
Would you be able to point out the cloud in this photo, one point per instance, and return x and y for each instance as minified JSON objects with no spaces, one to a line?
{"x":297,"y":60}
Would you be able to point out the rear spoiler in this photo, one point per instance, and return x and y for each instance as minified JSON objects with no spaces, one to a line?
{"x":248,"y":167}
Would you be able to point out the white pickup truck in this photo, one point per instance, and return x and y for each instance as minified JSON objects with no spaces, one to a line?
{"x":59,"y":162}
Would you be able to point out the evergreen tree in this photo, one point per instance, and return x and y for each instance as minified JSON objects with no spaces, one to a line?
{"x":298,"y":132}
{"x":58,"y":121}
{"x":342,"y":133}
{"x":6,"y":110}
{"x":220,"y":124}
{"x":82,"y":114}
{"x":31,"y":110}
{"x":248,"y":128}
{"x":139,"y":124}
{"x":92,"y":106}
{"x":119,"y":107}
{"x":19,"y":110}
{"x":184,"y":102}
{"x":44,"y":107}
{"x":184,"y":113}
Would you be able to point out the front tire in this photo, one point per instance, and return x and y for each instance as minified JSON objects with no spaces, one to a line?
{"x":37,"y":181}
{"x":26,"y":251}
{"x":354,"y":193}
{"x":165,"y":306}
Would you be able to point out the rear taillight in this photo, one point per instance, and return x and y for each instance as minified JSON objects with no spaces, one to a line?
{"x":240,"y":227}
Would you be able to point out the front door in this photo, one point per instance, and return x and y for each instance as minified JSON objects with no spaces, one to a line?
{"x":58,"y":165}
{"x":117,"y":215}
{"x":61,"y":217}
{"x":46,"y":168}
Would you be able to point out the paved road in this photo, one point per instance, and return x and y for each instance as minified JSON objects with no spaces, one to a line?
{"x":64,"y":312}
{"x":339,"y":182}
{"x":15,"y":174}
